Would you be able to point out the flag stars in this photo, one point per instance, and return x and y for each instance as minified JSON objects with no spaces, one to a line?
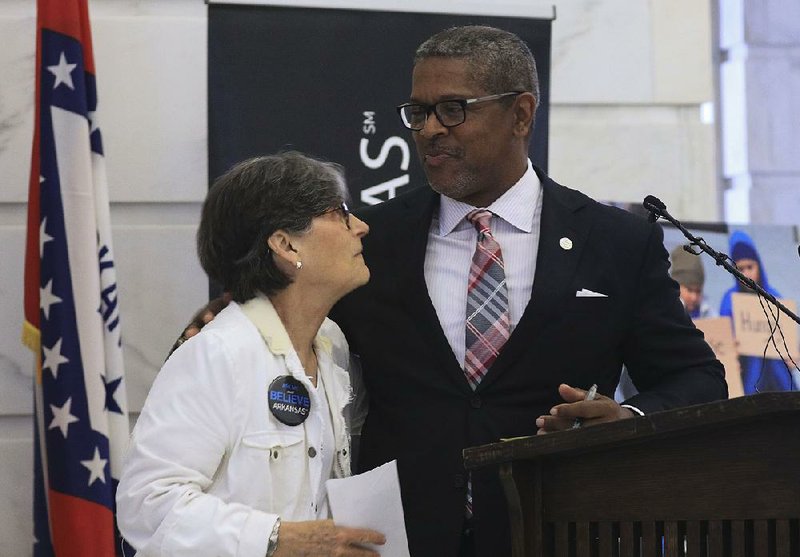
{"x":62,"y":417}
{"x":111,"y":389}
{"x":63,"y":72}
{"x":53,"y":358}
{"x":93,"y":126}
{"x":96,"y":467}
{"x":46,"y":296}
{"x":44,"y":237}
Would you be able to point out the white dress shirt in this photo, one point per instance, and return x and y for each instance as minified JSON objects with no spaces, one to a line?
{"x":451,"y":245}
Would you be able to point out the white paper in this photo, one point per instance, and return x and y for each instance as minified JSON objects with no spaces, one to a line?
{"x":372,"y":500}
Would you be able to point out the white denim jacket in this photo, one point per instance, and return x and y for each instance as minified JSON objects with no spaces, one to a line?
{"x":209,"y":469}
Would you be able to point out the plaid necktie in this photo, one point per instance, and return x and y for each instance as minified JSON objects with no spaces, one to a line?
{"x":488,"y":322}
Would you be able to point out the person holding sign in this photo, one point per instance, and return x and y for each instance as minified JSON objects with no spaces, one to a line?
{"x":687,"y":271}
{"x":758,"y":374}
{"x":246,"y":421}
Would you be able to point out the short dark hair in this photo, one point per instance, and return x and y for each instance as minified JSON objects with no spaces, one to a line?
{"x":499,"y":60}
{"x":248,"y":203}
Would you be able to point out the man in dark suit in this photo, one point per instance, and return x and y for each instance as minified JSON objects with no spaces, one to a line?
{"x":577,"y":289}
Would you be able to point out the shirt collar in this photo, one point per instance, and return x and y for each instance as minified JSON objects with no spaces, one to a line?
{"x":514,"y":206}
{"x":262,"y":314}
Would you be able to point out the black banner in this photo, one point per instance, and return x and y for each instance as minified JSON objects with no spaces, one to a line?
{"x":326,"y":82}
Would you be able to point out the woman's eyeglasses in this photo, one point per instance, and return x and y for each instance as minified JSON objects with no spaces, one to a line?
{"x":343,"y":209}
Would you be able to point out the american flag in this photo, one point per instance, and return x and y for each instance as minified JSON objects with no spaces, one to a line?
{"x":72,"y":318}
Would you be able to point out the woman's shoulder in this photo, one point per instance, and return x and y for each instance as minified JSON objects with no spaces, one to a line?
{"x":226,"y":339}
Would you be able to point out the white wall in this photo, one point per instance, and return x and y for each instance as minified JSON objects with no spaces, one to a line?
{"x":628,"y":78}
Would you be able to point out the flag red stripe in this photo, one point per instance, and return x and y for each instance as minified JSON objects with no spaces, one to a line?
{"x":68,"y":18}
{"x":80,"y":528}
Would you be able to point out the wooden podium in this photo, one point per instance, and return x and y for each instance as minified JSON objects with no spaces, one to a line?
{"x":719,"y":479}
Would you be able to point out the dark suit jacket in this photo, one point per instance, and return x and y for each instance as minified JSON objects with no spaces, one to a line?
{"x":422,"y":411}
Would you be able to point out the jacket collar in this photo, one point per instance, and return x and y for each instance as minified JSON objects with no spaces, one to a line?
{"x":262,"y":314}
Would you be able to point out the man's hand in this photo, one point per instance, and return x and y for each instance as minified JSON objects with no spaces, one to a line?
{"x":205,"y":315}
{"x":562,"y":416}
{"x":321,"y":538}
{"x":202,"y":318}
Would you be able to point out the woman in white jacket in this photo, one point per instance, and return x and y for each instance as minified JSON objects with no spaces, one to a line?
{"x":245,"y":421}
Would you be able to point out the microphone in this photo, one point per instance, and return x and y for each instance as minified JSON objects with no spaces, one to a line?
{"x":655,"y":207}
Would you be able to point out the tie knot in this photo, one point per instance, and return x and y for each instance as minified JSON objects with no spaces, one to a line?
{"x":480,"y":219}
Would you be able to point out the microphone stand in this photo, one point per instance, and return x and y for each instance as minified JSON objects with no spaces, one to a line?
{"x":721,"y":259}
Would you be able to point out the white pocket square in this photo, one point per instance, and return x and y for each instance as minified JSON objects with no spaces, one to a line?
{"x":586,"y":293}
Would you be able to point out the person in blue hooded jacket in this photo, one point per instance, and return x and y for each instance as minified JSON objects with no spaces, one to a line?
{"x":757,"y":375}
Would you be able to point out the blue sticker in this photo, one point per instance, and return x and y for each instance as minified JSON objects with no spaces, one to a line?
{"x":288,"y":400}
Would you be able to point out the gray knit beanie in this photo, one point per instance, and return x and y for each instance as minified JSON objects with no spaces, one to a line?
{"x":687,"y":269}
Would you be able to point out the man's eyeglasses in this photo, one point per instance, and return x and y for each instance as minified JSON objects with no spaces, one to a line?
{"x":450,"y":113}
{"x":343,"y":209}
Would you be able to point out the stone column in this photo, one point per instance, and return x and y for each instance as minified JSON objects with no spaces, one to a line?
{"x":760,"y":110}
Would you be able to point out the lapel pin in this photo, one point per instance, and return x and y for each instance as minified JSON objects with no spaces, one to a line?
{"x":565,"y":243}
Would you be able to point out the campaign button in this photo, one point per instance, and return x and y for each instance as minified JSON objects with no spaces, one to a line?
{"x":288,"y":400}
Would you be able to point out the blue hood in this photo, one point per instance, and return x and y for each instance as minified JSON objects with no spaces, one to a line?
{"x":742,"y":247}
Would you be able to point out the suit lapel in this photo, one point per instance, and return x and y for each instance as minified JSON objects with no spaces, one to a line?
{"x":563,"y":234}
{"x":420,"y":211}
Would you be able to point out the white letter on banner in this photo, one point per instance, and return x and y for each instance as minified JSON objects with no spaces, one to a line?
{"x":369,"y":195}
{"x":376,"y":163}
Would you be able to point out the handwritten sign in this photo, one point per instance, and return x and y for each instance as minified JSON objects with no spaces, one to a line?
{"x":752,"y":326}
{"x":719,"y":335}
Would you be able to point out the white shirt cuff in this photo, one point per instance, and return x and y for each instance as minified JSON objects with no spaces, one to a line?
{"x":633,"y":409}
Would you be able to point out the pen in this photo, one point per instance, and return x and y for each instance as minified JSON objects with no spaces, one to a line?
{"x":590,"y":395}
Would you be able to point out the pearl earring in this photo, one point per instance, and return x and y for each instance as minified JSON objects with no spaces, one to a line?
{"x":299,"y":264}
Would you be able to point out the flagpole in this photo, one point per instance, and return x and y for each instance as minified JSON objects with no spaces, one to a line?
{"x":39,"y":424}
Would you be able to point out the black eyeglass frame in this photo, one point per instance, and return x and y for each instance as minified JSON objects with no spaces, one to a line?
{"x":435,"y":109}
{"x":344,"y":209}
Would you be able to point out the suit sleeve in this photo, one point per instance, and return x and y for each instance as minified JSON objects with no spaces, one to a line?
{"x":667,"y":358}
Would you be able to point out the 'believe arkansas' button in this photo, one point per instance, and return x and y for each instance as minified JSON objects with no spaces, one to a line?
{"x":289,"y":401}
